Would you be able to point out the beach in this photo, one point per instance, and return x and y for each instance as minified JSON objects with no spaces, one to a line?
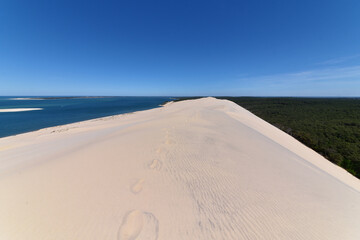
{"x":195,"y":169}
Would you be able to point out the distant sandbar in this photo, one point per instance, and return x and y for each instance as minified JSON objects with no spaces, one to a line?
{"x":19,"y":109}
{"x":57,"y":98}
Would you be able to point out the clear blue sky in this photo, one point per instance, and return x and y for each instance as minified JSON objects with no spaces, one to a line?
{"x":143,"y":47}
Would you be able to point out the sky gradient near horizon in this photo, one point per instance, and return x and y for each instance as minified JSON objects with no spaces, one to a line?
{"x":180,"y":48}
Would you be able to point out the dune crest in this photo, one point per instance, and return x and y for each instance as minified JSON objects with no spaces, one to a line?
{"x":197,"y":169}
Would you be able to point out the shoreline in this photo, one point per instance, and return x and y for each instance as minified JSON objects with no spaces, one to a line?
{"x":105,"y":118}
{"x":14,"y":110}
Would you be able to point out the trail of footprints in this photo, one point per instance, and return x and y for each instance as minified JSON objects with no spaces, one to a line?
{"x":137,"y":224}
{"x":156,"y":164}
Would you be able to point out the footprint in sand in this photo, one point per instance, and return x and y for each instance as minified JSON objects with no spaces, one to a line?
{"x":169,"y":141}
{"x":139,"y":225}
{"x":138,"y":186}
{"x":159,"y":150}
{"x":156,"y":164}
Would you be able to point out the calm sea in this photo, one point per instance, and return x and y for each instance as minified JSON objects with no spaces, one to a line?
{"x":59,"y":111}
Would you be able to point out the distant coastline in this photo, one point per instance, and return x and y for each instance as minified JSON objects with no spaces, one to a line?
{"x":19,"y":115}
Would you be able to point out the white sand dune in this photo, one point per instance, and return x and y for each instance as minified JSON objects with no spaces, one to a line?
{"x":19,"y":109}
{"x":200,"y":169}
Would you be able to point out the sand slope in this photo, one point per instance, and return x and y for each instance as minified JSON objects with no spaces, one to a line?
{"x":200,"y":169}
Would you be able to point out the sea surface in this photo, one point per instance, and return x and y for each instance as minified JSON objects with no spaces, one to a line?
{"x":56,"y":111}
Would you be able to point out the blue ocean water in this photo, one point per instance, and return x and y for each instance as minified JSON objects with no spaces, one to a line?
{"x":59,"y":111}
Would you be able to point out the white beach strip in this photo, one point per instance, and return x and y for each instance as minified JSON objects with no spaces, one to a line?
{"x":25,"y":99}
{"x":19,"y":109}
{"x":199,"y":169}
